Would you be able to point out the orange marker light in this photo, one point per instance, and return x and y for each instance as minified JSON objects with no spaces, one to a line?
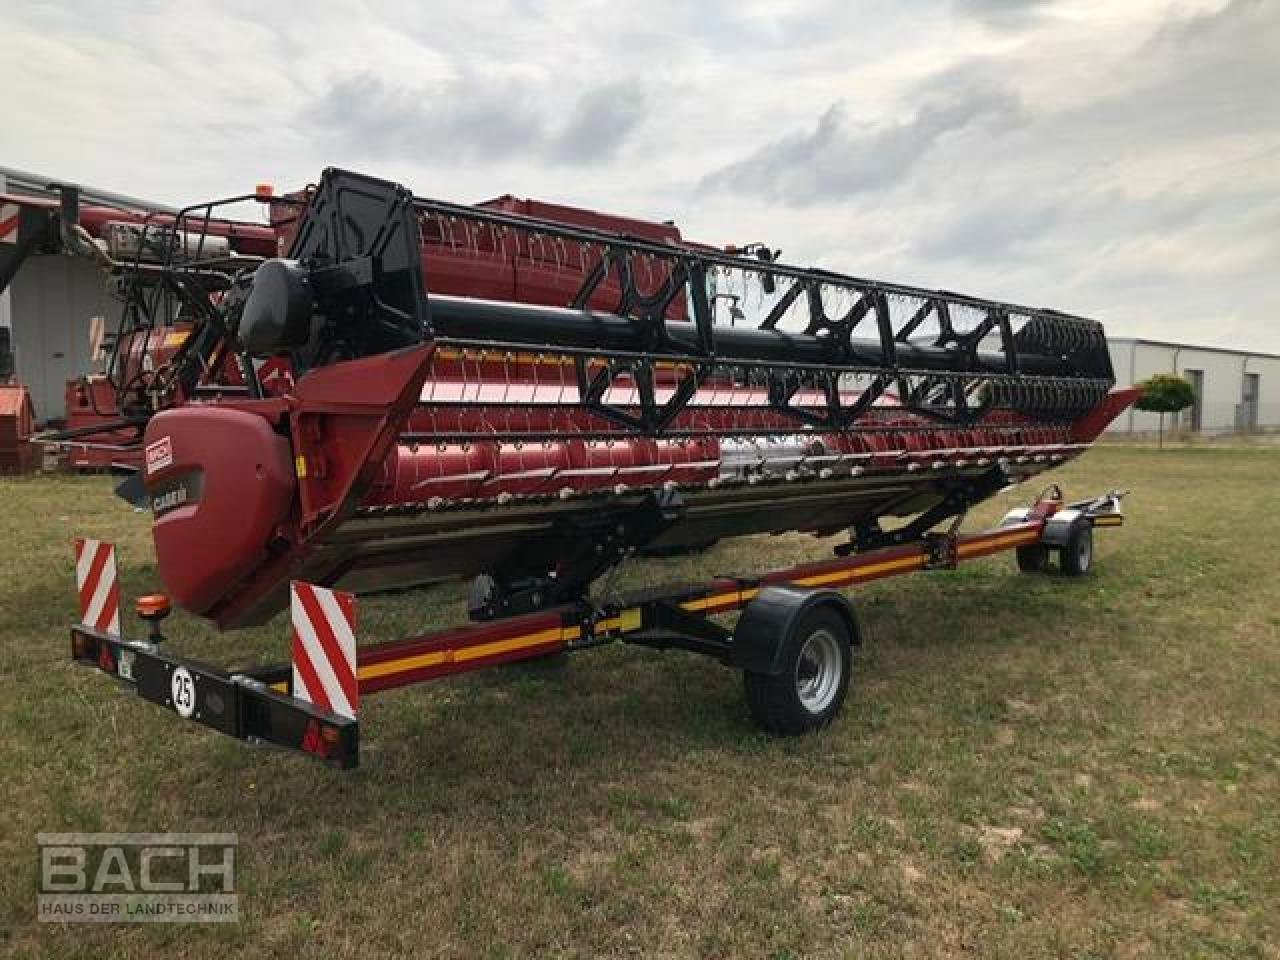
{"x":153,"y":605}
{"x":264,"y":191}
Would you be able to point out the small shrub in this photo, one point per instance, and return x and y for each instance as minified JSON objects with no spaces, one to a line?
{"x":1165,"y":393}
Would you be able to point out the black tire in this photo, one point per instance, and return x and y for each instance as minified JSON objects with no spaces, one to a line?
{"x":817,"y":665}
{"x":1076,"y":555}
{"x":1033,"y":558}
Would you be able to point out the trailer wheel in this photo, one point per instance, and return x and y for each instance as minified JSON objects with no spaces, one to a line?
{"x":1076,"y":555}
{"x":1033,"y":558}
{"x":817,"y":663}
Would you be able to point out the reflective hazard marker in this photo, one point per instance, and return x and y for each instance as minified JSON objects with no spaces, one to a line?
{"x":324,"y":648}
{"x":10,"y":214}
{"x":98,"y":586}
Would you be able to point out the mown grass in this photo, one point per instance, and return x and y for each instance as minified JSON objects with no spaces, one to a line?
{"x":1027,"y":767}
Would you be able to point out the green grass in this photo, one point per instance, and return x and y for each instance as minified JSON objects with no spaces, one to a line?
{"x":1026,"y":767}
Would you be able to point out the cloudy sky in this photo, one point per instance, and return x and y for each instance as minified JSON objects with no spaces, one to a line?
{"x":1118,"y":158}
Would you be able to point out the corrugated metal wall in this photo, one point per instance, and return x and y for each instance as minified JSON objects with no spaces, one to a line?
{"x":1222,"y":385}
{"x":51,"y":301}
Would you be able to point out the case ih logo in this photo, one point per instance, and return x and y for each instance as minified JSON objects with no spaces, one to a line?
{"x":159,"y":454}
{"x":9,"y":214}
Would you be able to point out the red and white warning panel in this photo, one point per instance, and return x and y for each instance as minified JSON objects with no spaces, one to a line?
{"x":10,"y":215}
{"x":324,"y":648}
{"x":98,"y":585}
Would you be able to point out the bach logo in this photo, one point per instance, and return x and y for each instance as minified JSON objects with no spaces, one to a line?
{"x":137,"y":878}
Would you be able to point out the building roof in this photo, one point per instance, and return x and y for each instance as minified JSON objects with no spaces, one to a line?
{"x":35,"y":184}
{"x":1194,"y":346}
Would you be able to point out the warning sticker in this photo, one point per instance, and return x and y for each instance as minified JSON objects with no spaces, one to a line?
{"x":9,"y":216}
{"x":159,"y":454}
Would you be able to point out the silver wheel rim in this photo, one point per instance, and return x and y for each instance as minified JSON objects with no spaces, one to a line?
{"x":1084,"y":552}
{"x":818,"y":671}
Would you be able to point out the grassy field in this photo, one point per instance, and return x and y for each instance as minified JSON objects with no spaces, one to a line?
{"x":1026,"y":767}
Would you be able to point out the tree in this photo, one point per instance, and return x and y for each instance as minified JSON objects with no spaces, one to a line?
{"x":1165,"y":393}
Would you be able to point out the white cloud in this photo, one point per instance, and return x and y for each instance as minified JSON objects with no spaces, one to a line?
{"x":1121,"y":160}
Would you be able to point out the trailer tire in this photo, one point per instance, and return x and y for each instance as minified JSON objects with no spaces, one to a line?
{"x":1076,"y":555}
{"x":1033,"y":558}
{"x":817,"y":665}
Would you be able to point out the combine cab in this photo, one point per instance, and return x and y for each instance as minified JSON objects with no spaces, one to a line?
{"x":488,"y":393}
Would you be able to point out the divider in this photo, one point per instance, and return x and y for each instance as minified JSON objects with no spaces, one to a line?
{"x":98,"y":585}
{"x":324,"y":648}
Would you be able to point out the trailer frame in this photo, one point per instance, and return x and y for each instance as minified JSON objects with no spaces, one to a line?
{"x":257,"y":706}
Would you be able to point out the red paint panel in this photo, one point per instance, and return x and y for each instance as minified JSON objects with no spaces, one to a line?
{"x":460,"y":637}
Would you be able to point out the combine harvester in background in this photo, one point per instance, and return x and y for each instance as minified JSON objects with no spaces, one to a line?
{"x":561,"y":398}
{"x":145,"y":366}
{"x":146,"y":361}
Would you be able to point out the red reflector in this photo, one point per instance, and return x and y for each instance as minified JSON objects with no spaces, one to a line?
{"x":313,"y":742}
{"x":106,"y":660}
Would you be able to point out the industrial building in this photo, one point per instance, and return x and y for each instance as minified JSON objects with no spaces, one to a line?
{"x":1236,"y":390}
{"x":47,"y":313}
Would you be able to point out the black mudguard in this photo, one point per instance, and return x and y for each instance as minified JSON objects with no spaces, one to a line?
{"x":768,"y":620}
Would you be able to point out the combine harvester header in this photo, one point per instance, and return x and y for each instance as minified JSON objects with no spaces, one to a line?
{"x":477,"y":392}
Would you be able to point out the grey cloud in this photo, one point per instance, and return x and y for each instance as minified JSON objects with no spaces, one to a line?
{"x":1056,"y":223}
{"x":836,"y":160}
{"x":1217,"y":71}
{"x":1003,"y":12}
{"x":467,"y":118}
{"x":1003,"y":229}
{"x":1194,"y":84}
{"x":600,"y":123}
{"x":1246,"y":21}
{"x":475,"y":118}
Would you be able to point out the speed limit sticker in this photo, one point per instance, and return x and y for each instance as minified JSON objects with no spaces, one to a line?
{"x":182,"y":692}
